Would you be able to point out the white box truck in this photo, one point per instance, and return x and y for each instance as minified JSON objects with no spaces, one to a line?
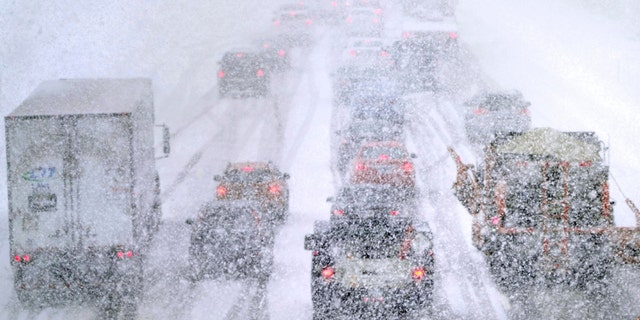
{"x":83,"y":191}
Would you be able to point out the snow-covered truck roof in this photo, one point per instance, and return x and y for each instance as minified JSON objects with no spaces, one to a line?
{"x":85,"y":96}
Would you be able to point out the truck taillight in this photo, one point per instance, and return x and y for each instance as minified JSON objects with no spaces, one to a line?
{"x":124,"y":254}
{"x":327,"y":273}
{"x":221,"y":191}
{"x":274,"y":189}
{"x":24,"y":258}
{"x":418,"y":274}
{"x":479,"y":111}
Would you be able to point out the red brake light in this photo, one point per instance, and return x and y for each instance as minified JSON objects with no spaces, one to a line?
{"x":26,"y":258}
{"x":220,"y":74}
{"x":360,"y":166}
{"x":479,"y":111}
{"x":453,"y":35}
{"x":221,"y":191}
{"x":276,"y":23}
{"x":259,"y":73}
{"x":378,"y":11}
{"x":585,"y":164}
{"x":308,"y":22}
{"x":247,"y":169}
{"x":352,"y":53}
{"x":327,"y":273}
{"x":394,"y":213}
{"x":281,"y":53}
{"x":274,"y":189}
{"x":349,"y":19}
{"x":338,"y":212}
{"x":407,"y":166}
{"x":239,"y":54}
{"x":383,"y":53}
{"x":418,"y":274}
{"x":120,"y":254}
{"x":17,"y":258}
{"x":383,"y":157}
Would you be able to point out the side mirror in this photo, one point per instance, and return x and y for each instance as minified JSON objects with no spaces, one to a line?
{"x":330,"y":199}
{"x":310,"y":241}
{"x":338,"y":132}
{"x":286,"y":176}
{"x":413,"y":156}
{"x":189,"y":221}
{"x":166,"y":136}
{"x":217,"y":177}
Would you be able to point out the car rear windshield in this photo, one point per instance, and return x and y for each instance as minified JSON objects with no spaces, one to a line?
{"x":383,"y":152}
{"x":373,"y":239}
{"x":248,"y":176}
{"x":502,"y":103}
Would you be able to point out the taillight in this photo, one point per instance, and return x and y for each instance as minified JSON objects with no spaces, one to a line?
{"x":453,"y":35}
{"x":334,"y":3}
{"x":281,"y":53}
{"x":327,"y":273}
{"x":259,"y":73}
{"x":394,"y":213}
{"x":360,"y":166}
{"x":383,"y":53}
{"x":221,"y":191}
{"x":349,"y":19}
{"x":220,"y":74}
{"x":383,"y":157}
{"x":407,"y":167}
{"x":124,"y":254}
{"x":352,"y":53}
{"x":480,"y":111}
{"x":308,"y":22}
{"x":378,"y":11}
{"x":418,"y":274}
{"x":24,"y":258}
{"x":338,"y":212}
{"x":276,"y":23}
{"x":247,"y":169}
{"x":274,"y":189}
{"x":525,"y":111}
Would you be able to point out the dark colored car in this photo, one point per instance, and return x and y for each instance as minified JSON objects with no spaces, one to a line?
{"x":371,"y":268}
{"x":233,"y":239}
{"x":384,"y":163}
{"x":493,"y":113}
{"x":243,"y":73}
{"x":294,"y":24}
{"x":257,"y":181}
{"x":360,"y":131}
{"x":381,"y":105}
{"x":418,"y":55}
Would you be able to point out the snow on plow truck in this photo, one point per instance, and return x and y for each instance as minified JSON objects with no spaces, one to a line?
{"x":83,"y":192}
{"x":542,"y":211}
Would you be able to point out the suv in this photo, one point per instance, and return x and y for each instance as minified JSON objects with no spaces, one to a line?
{"x":491,"y":113}
{"x":243,"y":73}
{"x":385,"y":163}
{"x":233,"y":238}
{"x":257,"y":181}
{"x":370,"y":267}
{"x":359,"y":131}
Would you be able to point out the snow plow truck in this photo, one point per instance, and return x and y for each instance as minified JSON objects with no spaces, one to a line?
{"x":542,"y":211}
